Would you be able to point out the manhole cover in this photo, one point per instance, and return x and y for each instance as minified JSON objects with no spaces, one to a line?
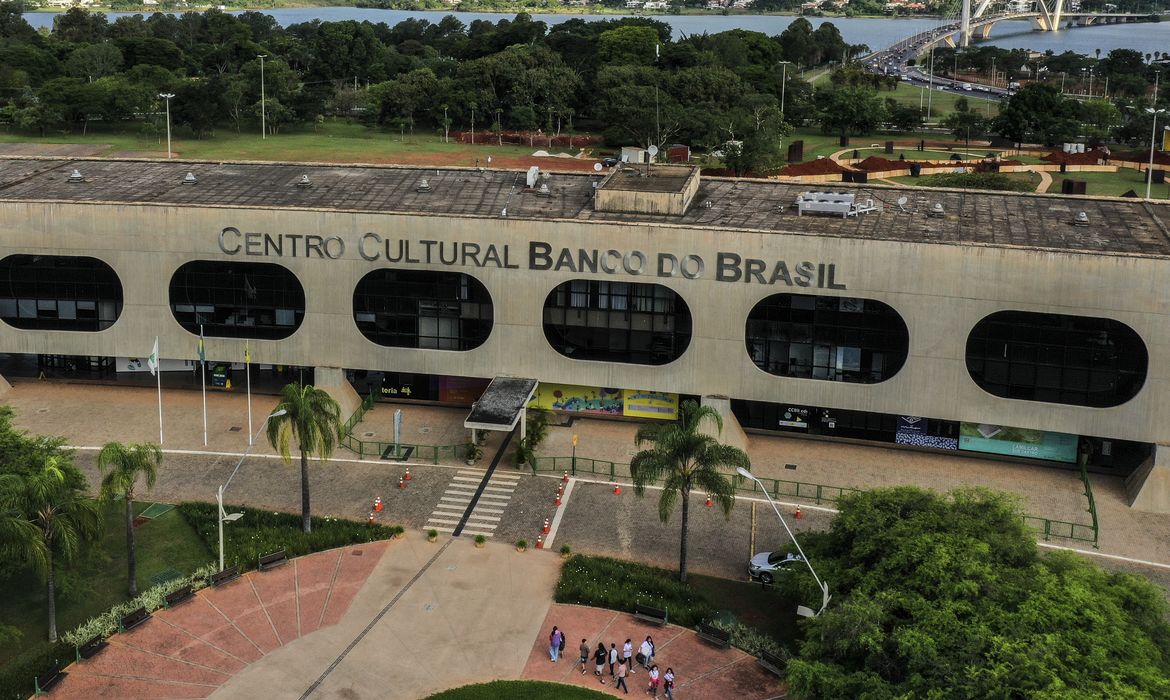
{"x":234,"y":429}
{"x":424,"y":430}
{"x":368,"y":434}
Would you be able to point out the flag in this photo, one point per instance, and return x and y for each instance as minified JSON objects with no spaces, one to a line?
{"x":249,"y":288}
{"x":199,"y":348}
{"x":152,"y":361}
{"x":247,"y":353}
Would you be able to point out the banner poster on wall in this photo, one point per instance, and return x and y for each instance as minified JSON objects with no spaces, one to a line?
{"x":915,"y":430}
{"x":605,"y":401}
{"x":461,"y":390}
{"x":1018,"y":442}
{"x":794,"y":417}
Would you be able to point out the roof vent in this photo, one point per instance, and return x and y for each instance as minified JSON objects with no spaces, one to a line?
{"x":304,"y":181}
{"x":75,"y":176}
{"x":936,"y":211}
{"x":423,"y":186}
{"x":1082,"y":219}
{"x":544,"y":191}
{"x":190,"y":179}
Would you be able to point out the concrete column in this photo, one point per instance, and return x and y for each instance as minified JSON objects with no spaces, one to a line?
{"x":5,"y":387}
{"x":965,"y":25}
{"x":332,"y":381}
{"x":1148,"y":487}
{"x":732,"y":432}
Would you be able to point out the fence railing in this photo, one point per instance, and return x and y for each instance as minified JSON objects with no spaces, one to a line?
{"x":408,"y":452}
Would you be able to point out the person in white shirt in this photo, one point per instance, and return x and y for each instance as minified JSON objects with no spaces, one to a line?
{"x":628,"y":655}
{"x":653,"y":681}
{"x":613,"y":659}
{"x":668,"y":683}
{"x":647,"y":651}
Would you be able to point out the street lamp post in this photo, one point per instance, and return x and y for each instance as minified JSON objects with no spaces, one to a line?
{"x":783,"y":84}
{"x":263,"y":116}
{"x":1153,"y":135}
{"x":930,"y":85}
{"x":225,"y":517}
{"x":167,"y":96}
{"x":823,"y":585}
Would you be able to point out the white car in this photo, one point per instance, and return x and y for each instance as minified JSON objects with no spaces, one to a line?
{"x":967,"y":87}
{"x":766,"y":565}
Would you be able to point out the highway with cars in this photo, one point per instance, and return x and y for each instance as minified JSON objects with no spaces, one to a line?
{"x":895,"y":60}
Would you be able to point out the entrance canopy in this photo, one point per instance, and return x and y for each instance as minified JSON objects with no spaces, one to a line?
{"x":502,"y":404}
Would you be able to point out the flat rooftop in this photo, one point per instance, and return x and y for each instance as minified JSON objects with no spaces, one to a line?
{"x":1118,"y":226}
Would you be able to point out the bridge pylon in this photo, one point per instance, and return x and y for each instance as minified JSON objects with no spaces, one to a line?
{"x":965,"y":25}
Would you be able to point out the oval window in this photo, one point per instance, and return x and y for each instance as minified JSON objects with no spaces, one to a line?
{"x":423,"y":309}
{"x":836,"y":339}
{"x":59,"y":293}
{"x":237,"y":299}
{"x":1075,"y":360}
{"x":641,"y":324}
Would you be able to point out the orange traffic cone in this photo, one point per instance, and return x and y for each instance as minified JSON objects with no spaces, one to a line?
{"x":617,"y":489}
{"x":539,"y":542}
{"x":565,"y":477}
{"x":546,"y":527}
{"x":797,"y":514}
{"x":407,"y":476}
{"x":378,"y":504}
{"x":370,"y":521}
{"x":709,"y":502}
{"x":401,"y":483}
{"x":558,"y":501}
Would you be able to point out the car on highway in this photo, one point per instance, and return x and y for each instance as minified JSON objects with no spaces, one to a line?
{"x":765,"y":566}
{"x":967,"y":87}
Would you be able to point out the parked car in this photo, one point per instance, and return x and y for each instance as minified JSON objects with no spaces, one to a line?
{"x":766,"y":565}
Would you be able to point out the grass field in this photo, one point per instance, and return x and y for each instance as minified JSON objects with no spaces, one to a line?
{"x":942,"y":102}
{"x":1112,"y":184}
{"x":98,"y":580}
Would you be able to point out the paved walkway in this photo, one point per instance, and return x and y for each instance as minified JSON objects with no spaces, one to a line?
{"x":702,"y":671}
{"x":1045,"y":180}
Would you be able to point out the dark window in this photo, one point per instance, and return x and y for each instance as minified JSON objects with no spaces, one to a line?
{"x":59,"y":293}
{"x":422,"y":309}
{"x":642,"y":324}
{"x":837,"y":339}
{"x":237,"y":299}
{"x":1075,"y":360}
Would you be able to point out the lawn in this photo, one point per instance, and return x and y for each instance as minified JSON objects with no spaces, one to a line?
{"x":1112,"y":184}
{"x":98,"y":581}
{"x":942,"y":102}
{"x":519,"y":690}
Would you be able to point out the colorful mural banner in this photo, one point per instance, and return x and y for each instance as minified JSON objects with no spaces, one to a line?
{"x":606,"y":401}
{"x":1018,"y":442}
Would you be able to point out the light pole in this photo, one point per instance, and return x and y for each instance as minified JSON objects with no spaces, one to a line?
{"x":225,"y":517}
{"x":167,"y":96}
{"x":263,"y":120}
{"x":823,"y":585}
{"x":783,"y":84}
{"x":1153,"y":134}
{"x":930,"y":86}
{"x":993,"y":71}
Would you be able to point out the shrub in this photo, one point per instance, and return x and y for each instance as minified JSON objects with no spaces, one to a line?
{"x":261,"y":532}
{"x":977,"y":181}
{"x":480,"y":539}
{"x":566,"y":549}
{"x":16,"y":677}
{"x":750,"y":640}
{"x":433,"y":534}
{"x":521,"y":544}
{"x":619,"y":585}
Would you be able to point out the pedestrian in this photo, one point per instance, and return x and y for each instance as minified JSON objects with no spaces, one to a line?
{"x":628,"y":655}
{"x":653,"y":688}
{"x":668,"y":683}
{"x":599,"y":658}
{"x":622,"y":669}
{"x":646,"y":652}
{"x":584,"y":648}
{"x":556,"y":641}
{"x":613,"y":657}
{"x":561,"y":648}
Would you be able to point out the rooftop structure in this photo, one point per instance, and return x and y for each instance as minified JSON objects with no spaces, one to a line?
{"x":1115,"y":226}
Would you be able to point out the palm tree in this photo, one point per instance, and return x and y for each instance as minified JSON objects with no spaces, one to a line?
{"x":19,"y":539}
{"x":125,"y":464}
{"x":684,"y":458}
{"x":63,"y":520}
{"x":314,"y":419}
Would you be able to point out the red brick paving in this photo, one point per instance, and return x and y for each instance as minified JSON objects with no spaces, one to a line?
{"x":702,"y":671}
{"x":191,"y":650}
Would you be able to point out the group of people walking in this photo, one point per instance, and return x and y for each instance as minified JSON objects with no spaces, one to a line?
{"x":617,"y":664}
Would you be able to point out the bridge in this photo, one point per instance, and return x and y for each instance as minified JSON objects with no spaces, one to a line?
{"x":1045,"y":15}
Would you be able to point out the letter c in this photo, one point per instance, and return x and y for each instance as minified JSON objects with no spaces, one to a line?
{"x":362,"y":245}
{"x":232,"y":230}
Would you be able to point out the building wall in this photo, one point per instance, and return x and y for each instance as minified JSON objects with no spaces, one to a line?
{"x":941,"y":291}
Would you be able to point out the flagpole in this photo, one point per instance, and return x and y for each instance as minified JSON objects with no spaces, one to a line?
{"x":158,"y":376}
{"x":203,"y":376}
{"x":248,"y":375}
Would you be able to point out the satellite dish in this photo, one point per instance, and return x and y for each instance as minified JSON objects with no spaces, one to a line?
{"x":653,"y":151}
{"x":902,"y":200}
{"x":597,"y":167}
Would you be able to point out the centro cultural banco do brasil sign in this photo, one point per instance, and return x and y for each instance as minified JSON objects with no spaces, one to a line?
{"x":539,"y":256}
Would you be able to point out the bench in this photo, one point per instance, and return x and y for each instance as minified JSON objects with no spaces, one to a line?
{"x":773,"y":663}
{"x":91,"y":648}
{"x":47,"y":680}
{"x":226,"y":576}
{"x":134,"y":619}
{"x":714,"y":635}
{"x":273,"y":560}
{"x":178,"y":596}
{"x":650,"y":614}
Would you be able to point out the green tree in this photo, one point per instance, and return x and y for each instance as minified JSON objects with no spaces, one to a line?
{"x":123,"y":465}
{"x":64,"y":520}
{"x":630,"y":44}
{"x":313,"y":418}
{"x":1038,"y":111}
{"x":684,"y":457}
{"x":849,"y":110}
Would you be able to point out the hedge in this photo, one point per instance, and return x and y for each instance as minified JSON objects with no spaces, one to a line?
{"x":261,"y":532}
{"x":619,"y":585}
{"x":17,"y":676}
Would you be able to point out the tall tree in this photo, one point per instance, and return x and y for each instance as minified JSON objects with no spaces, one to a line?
{"x":314,"y":419}
{"x":63,"y":517}
{"x":685,"y":458}
{"x":122,"y":466}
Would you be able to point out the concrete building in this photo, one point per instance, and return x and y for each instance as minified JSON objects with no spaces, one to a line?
{"x":1014,"y":326}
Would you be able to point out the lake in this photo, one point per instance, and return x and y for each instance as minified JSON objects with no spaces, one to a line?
{"x":877,"y":32}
